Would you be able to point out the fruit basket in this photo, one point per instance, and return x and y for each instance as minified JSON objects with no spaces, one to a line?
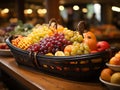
{"x":79,"y":67}
{"x":76,"y":66}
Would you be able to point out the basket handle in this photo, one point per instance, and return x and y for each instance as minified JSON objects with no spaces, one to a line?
{"x":81,"y":27}
{"x":53,"y":20}
{"x":35,"y":62}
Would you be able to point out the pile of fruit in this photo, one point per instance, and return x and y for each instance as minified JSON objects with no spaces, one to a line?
{"x":110,"y":75}
{"x":106,"y":30}
{"x":56,"y":40}
{"x":20,"y":29}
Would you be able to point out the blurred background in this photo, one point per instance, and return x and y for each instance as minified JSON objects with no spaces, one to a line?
{"x":102,"y":16}
{"x":105,"y":11}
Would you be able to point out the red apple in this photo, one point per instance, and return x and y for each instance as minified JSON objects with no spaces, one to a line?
{"x":102,"y":45}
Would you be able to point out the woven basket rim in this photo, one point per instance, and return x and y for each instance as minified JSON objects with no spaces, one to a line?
{"x":85,"y":56}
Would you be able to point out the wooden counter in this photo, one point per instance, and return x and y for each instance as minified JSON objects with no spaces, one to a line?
{"x":36,"y":80}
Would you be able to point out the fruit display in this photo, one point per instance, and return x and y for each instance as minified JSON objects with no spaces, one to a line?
{"x":18,"y":28}
{"x":21,"y":29}
{"x":51,"y":38}
{"x":59,"y":50}
{"x":106,"y":30}
{"x":110,"y":74}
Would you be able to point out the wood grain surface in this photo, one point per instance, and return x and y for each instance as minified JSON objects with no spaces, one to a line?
{"x":36,"y":80}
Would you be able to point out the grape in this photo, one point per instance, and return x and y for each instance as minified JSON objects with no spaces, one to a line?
{"x":86,"y":52}
{"x":79,"y":52}
{"x":79,"y":49}
{"x":34,"y":47}
{"x":79,"y":38}
{"x":86,"y":47}
{"x":50,"y":44}
{"x":74,"y":51}
{"x":73,"y":36}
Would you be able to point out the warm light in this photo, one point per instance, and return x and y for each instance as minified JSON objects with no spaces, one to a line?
{"x":84,"y":10}
{"x":41,"y":11}
{"x":28,"y":11}
{"x":44,"y":11}
{"x":6,"y":10}
{"x":61,"y":8}
{"x":75,"y":7}
{"x":114,"y":8}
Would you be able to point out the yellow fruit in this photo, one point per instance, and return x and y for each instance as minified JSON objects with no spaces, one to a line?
{"x":59,"y":53}
{"x":67,"y":53}
{"x":49,"y":54}
{"x":115,"y":78}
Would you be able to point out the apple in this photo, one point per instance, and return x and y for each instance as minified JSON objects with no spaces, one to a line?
{"x":102,"y":45}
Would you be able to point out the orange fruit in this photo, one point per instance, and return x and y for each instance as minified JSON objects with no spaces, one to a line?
{"x":90,"y":40}
{"x":114,"y":61}
{"x":117,"y":55}
{"x":106,"y":74}
{"x":68,"y":48}
{"x":60,"y":28}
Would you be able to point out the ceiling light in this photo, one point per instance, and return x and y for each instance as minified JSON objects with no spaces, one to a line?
{"x":84,"y":10}
{"x":61,"y":8}
{"x":75,"y":7}
{"x":114,"y":8}
{"x":28,"y":11}
{"x":6,"y":10}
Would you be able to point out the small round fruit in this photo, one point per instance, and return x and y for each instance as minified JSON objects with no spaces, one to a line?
{"x":49,"y":54}
{"x":114,"y":61}
{"x":106,"y":74}
{"x":67,"y":53}
{"x":115,"y":78}
{"x":102,"y":45}
{"x":59,"y":53}
{"x":68,"y":48}
{"x":117,"y":55}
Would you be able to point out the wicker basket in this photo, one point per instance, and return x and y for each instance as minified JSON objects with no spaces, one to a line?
{"x":81,"y":67}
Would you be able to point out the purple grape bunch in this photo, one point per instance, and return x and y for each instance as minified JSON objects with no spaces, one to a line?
{"x":50,"y":44}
